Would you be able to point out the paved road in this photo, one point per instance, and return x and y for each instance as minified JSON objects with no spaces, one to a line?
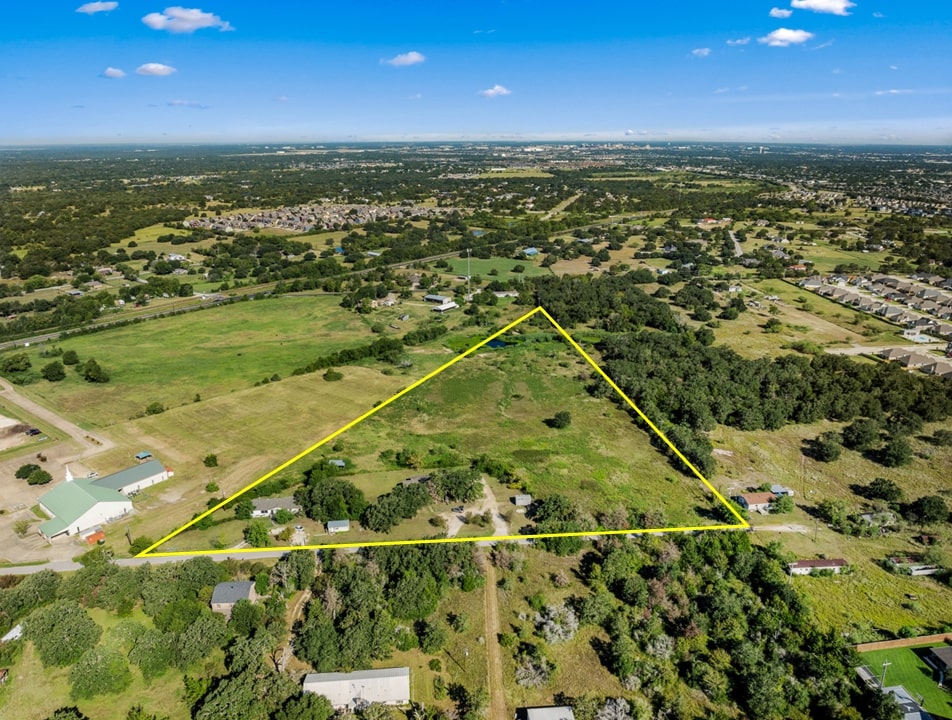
{"x":88,"y":440}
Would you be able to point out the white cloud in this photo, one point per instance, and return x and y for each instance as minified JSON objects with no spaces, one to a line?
{"x":114,"y":73}
{"x":184,"y":20}
{"x":701,"y":52}
{"x":834,"y":7}
{"x":893,"y":92}
{"x":893,"y":67}
{"x":157,"y":69}
{"x":404,"y":59}
{"x":739,"y":41}
{"x":91,"y":8}
{"x":187,"y":103}
{"x":784,"y":37}
{"x":878,"y":15}
{"x":281,"y":98}
{"x":495,"y":91}
{"x":780,"y":13}
{"x":416,"y":96}
{"x":722,"y":90}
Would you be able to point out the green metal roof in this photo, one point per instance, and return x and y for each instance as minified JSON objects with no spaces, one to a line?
{"x":68,"y":502}
{"x":131,"y":475}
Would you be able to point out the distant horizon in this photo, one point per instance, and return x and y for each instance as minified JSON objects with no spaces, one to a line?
{"x":803,"y":71}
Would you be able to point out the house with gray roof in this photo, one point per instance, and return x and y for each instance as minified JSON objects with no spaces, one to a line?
{"x":267,"y":507}
{"x":78,"y":506}
{"x":338,"y":526}
{"x":227,"y":594}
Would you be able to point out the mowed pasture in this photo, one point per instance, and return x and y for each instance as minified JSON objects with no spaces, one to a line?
{"x":502,"y":266}
{"x":907,"y":668}
{"x":207,"y":353}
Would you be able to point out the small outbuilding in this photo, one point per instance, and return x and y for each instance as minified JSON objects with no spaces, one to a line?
{"x":551,"y":712}
{"x":756,"y":501}
{"x":522,"y":500}
{"x":338,"y":526}
{"x":805,"y":567}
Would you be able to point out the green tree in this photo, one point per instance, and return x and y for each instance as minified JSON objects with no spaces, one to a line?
{"x":256,"y":534}
{"x":562,"y":419}
{"x":61,"y":632}
{"x":827,"y":447}
{"x":24,"y":471}
{"x":861,"y":434}
{"x":70,"y":357}
{"x":100,"y":671}
{"x":246,"y":617}
{"x":283,"y":517}
{"x":153,"y":652}
{"x":783,"y":504}
{"x":306,"y":706}
{"x":137,"y":712}
{"x":39,"y":477}
{"x":141,"y":543}
{"x":13,"y":364}
{"x":243,"y":508}
{"x":54,"y":371}
{"x":897,"y":451}
{"x":210,"y":460}
{"x":928,"y":510}
{"x":67,"y":713}
{"x":432,"y":635}
{"x":93,"y":372}
{"x":883,"y":489}
{"x":154,"y":408}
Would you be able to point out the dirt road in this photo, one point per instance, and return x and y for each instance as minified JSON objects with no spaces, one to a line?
{"x":488,"y":504}
{"x":90,"y":442}
{"x":497,"y":697}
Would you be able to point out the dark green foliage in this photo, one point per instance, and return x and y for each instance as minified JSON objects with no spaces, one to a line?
{"x":54,"y":371}
{"x":67,"y":713}
{"x":246,"y":617}
{"x":61,"y":632}
{"x":942,"y":437}
{"x":556,"y":514}
{"x":883,"y":489}
{"x":244,"y":508}
{"x":140,"y":544}
{"x":432,"y":635}
{"x":154,"y":408}
{"x":424,"y":334}
{"x":39,"y":477}
{"x":401,"y":503}
{"x":827,"y":448}
{"x":93,"y":372}
{"x":24,"y":471}
{"x":457,"y":485}
{"x":896,"y":452}
{"x":283,"y":517}
{"x":328,"y":497}
{"x":332,"y":375}
{"x":210,"y":460}
{"x":100,"y":671}
{"x":13,"y":364}
{"x":137,"y":712}
{"x":861,"y":434}
{"x":70,"y":357}
{"x":562,"y":419}
{"x":153,"y":652}
{"x":928,"y":510}
{"x":306,"y":706}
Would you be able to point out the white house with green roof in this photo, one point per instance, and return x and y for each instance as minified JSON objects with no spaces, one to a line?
{"x":80,"y":505}
{"x":136,"y":478}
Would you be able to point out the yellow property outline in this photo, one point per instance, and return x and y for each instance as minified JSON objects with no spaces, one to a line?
{"x":740,"y":525}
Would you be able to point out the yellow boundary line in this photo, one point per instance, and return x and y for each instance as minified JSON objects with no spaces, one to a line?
{"x":741,"y":524}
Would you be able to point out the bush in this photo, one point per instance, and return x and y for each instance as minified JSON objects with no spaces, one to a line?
{"x":210,"y":460}
{"x":39,"y":477}
{"x":154,"y":408}
{"x":332,"y":375}
{"x":54,"y":371}
{"x":211,"y":487}
{"x":93,"y":372}
{"x":24,"y":471}
{"x":70,"y":357}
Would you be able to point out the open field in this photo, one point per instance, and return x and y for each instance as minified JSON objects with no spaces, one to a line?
{"x":495,"y":403}
{"x":503,"y":266}
{"x":494,"y":173}
{"x":907,"y":669}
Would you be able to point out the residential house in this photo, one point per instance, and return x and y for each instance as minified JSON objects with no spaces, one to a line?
{"x":915,"y":360}
{"x":805,"y":567}
{"x":267,"y":507}
{"x":756,"y":501}
{"x":226,"y":595}
{"x":389,"y":686}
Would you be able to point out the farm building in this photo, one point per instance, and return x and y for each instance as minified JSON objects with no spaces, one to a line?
{"x":552,"y":712}
{"x":143,"y":456}
{"x":337,"y":463}
{"x":779,"y":490}
{"x":267,"y":507}
{"x":338,"y":526}
{"x":438,"y":299}
{"x":390,"y":686}
{"x":226,"y":594}
{"x":77,"y":506}
{"x":522,"y":500}
{"x":138,"y":477}
{"x":805,"y":567}
{"x":755,"y":502}
{"x":940,"y":660}
{"x":445,"y":307}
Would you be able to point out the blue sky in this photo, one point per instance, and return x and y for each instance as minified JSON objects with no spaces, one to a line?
{"x":642,"y":70}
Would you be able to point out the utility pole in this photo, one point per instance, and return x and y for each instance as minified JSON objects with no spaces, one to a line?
{"x":882,"y":683}
{"x":468,"y":276}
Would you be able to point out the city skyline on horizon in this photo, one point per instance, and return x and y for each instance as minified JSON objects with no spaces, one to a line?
{"x":801,"y":71}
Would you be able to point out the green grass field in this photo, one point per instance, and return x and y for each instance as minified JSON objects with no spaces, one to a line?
{"x":503,"y":266}
{"x":908,"y":670}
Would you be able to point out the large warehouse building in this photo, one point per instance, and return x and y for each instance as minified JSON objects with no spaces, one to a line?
{"x":390,"y":686}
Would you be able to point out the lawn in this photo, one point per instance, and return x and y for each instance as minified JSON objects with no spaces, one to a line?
{"x":908,"y":670}
{"x":503,"y":266}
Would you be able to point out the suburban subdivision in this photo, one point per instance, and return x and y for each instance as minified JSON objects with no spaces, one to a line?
{"x":475,"y":430}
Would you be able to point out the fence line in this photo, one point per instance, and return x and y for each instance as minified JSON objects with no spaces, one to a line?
{"x":904,"y":642}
